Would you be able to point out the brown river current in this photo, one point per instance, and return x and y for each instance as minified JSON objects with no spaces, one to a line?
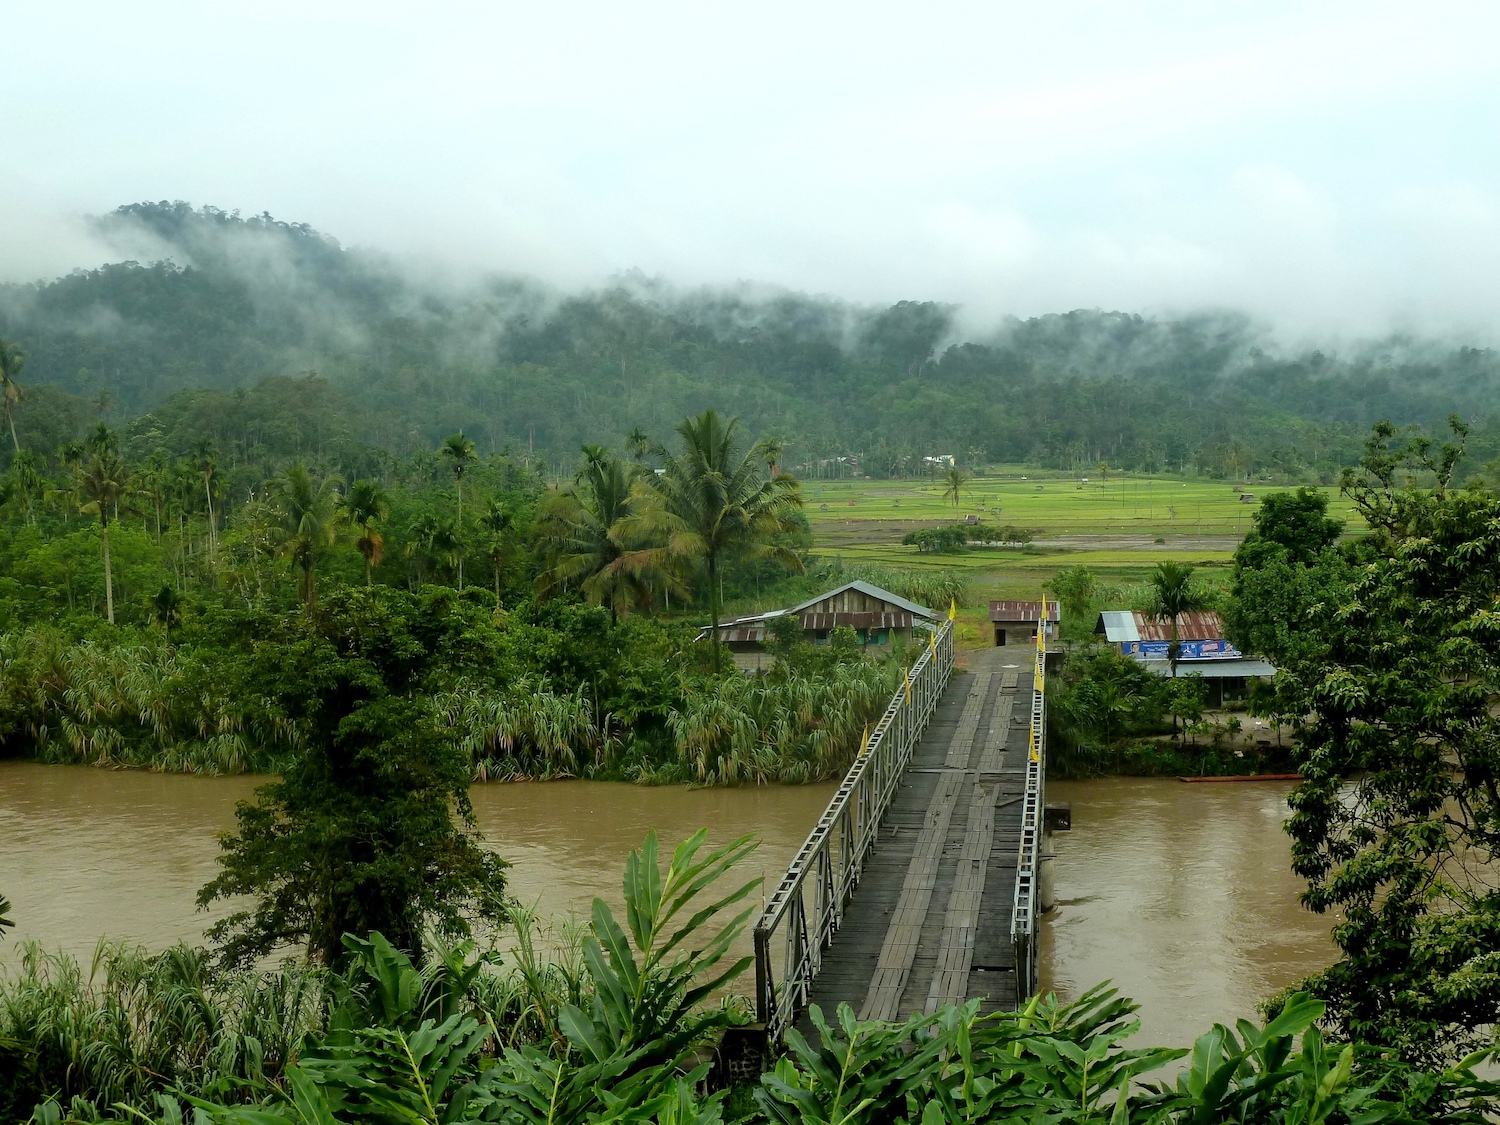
{"x":1179,"y":893}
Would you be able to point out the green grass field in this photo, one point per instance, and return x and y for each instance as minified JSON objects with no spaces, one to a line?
{"x":1120,"y":527}
{"x":1050,"y":503}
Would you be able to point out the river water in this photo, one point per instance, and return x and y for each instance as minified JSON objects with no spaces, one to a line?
{"x":1180,"y":893}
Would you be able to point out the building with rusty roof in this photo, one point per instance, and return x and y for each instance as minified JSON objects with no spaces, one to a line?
{"x":1203,"y":650}
{"x":1016,"y":622}
{"x":878,"y":618}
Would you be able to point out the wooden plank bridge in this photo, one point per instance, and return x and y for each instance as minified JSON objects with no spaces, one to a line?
{"x":918,"y":885}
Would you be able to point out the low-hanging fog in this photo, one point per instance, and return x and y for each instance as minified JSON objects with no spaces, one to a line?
{"x":1324,"y":169}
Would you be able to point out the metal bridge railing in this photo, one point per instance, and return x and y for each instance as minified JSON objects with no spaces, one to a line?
{"x":1025,"y":910}
{"x":798,"y":923}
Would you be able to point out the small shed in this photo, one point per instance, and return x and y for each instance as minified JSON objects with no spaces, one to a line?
{"x":1016,"y":622}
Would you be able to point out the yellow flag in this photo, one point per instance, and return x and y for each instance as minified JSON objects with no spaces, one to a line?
{"x":908,"y":686}
{"x":864,"y":745}
{"x":932,"y":641}
{"x":952,"y":608}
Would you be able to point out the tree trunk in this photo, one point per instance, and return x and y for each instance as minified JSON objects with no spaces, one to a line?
{"x":213,"y":539}
{"x":307,"y":585}
{"x":109,"y":581}
{"x":713,"y":610}
{"x":10,"y":416}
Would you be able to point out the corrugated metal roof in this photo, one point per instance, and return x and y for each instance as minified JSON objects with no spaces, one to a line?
{"x":1127,"y":625}
{"x":1212,"y":669}
{"x":872,"y":591}
{"x":1004,"y":610}
{"x":1118,"y":625}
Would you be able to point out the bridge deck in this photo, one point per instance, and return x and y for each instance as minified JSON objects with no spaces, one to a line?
{"x":930,"y":922}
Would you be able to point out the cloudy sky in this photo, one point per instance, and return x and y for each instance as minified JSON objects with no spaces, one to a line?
{"x":1326,"y":166}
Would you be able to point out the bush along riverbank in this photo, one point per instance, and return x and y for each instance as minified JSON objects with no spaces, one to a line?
{"x":555,"y":689}
{"x":620,"y":1024}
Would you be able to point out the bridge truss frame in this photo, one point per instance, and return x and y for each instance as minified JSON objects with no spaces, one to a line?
{"x":1025,"y":909}
{"x":807,"y":908}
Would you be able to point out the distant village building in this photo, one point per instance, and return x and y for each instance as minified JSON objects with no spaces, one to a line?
{"x":1203,"y":650}
{"x":1016,"y":622}
{"x":878,"y":617}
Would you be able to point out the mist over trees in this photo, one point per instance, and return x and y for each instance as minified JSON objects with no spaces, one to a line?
{"x":266,"y":333}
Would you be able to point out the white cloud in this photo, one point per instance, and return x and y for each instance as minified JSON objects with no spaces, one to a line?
{"x":1319,"y":164}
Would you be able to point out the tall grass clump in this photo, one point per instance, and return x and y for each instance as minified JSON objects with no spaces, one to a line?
{"x":789,"y":726}
{"x":145,"y":704}
{"x":132,"y":1024}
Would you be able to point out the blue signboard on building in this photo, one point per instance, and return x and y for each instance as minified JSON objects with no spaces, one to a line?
{"x":1190,"y":650}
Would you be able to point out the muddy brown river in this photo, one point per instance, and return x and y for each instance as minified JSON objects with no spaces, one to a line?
{"x":1179,"y":893}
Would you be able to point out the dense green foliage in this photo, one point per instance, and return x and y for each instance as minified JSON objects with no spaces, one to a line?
{"x":612,"y":1030}
{"x":369,"y":827}
{"x":232,"y":302}
{"x":234,"y":609}
{"x":1390,"y":650}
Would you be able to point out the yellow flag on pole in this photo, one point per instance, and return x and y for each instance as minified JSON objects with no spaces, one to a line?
{"x":864,"y":744}
{"x":908,"y":685}
{"x":952,"y":609}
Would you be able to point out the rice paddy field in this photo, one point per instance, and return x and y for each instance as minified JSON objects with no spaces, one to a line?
{"x":1119,"y":526}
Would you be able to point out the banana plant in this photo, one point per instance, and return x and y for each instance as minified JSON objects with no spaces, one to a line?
{"x":656,"y":1003}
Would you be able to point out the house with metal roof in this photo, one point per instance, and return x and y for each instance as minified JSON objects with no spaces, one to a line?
{"x":1203,"y":650}
{"x":878,"y":618}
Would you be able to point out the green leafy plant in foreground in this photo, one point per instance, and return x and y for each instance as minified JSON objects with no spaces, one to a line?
{"x":404,"y":1046}
{"x":1066,"y":1063}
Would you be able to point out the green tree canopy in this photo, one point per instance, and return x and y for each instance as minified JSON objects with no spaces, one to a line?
{"x":370,"y":826}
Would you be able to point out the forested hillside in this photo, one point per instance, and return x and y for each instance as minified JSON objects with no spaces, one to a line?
{"x":221,"y":333}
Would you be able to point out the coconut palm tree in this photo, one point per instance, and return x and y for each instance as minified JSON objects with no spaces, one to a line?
{"x":363,"y":505}
{"x":309,"y":514}
{"x":714,"y":504}
{"x":1172,"y":595}
{"x":955,"y":483}
{"x":104,"y":481}
{"x":459,"y":451}
{"x":12,"y":359}
{"x":590,"y":542}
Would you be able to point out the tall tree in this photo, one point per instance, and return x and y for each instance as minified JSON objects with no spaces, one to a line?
{"x":1397,"y":826}
{"x":499,"y":524}
{"x":12,"y":360}
{"x":309,"y":515}
{"x":955,"y":483}
{"x":638,"y":441}
{"x":369,"y":826}
{"x":364,"y":505}
{"x":715,"y":504}
{"x":459,"y":452}
{"x":1172,"y":595}
{"x":105,"y":481}
{"x":204,"y":458}
{"x":26,"y":482}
